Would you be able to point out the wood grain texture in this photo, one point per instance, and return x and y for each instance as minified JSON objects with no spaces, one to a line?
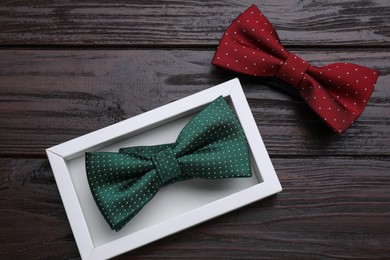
{"x":330,"y":207}
{"x":190,"y":23}
{"x":48,"y":97}
{"x":32,"y":218}
{"x":71,"y":67}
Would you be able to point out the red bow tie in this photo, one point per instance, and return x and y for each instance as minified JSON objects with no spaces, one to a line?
{"x":337,"y":92}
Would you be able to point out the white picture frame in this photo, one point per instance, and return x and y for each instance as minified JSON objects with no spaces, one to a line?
{"x":176,"y":206}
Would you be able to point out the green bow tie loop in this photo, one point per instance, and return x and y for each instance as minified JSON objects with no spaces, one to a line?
{"x":211,"y":146}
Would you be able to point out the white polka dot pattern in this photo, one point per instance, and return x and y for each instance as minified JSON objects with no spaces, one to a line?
{"x":211,"y":146}
{"x":338,"y":92}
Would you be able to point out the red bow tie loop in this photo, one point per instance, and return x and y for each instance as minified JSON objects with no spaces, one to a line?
{"x":337,"y":92}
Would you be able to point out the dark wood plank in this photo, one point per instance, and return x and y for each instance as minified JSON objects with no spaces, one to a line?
{"x":47,"y":97}
{"x":336,"y":197}
{"x":33,"y":223}
{"x":330,"y":207}
{"x":139,"y":23}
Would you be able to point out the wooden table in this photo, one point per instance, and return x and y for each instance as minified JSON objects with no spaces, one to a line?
{"x":69,"y":68}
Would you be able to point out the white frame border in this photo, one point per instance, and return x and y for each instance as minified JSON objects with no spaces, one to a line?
{"x":59,"y":154}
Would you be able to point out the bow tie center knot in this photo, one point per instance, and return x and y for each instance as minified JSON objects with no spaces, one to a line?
{"x":293,"y":69}
{"x":166,"y":165}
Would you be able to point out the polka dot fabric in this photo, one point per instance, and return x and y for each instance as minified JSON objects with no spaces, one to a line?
{"x":338,"y":92}
{"x":212,"y":145}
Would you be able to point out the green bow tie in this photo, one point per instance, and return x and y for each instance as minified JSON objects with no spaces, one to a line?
{"x":211,"y":146}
